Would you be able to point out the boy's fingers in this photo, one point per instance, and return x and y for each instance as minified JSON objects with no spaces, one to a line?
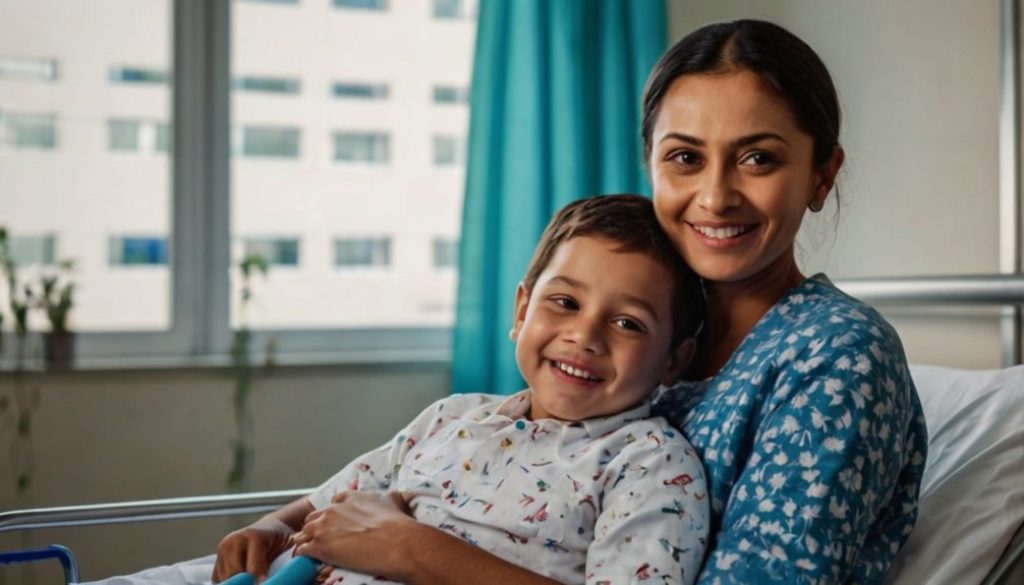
{"x":339,"y":497}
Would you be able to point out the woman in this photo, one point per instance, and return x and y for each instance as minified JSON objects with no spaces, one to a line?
{"x":800,"y":405}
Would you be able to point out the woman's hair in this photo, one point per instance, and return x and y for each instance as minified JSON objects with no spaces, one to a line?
{"x":629,"y":222}
{"x":783,"y":61}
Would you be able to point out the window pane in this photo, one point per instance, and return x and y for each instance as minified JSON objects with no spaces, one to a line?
{"x":446,"y":253}
{"x":275,"y":251}
{"x":363,"y":4}
{"x":34,"y":69}
{"x":352,"y":252}
{"x":283,"y":85}
{"x":371,"y":147}
{"x":371,"y":91}
{"x":138,"y":251}
{"x":81,"y":92}
{"x":448,"y":8}
{"x":31,"y":131}
{"x":33,"y":250}
{"x":139,"y":75}
{"x":360,"y":197}
{"x":270,"y":142}
{"x":448,"y":94}
{"x":449,"y":151}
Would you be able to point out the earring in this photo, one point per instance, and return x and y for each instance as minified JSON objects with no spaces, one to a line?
{"x":512,"y":334}
{"x":816,"y":206}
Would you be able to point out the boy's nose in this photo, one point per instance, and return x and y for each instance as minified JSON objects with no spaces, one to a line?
{"x":588,"y":335}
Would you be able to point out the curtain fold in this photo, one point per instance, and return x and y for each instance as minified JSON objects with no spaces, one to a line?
{"x":555,"y":116}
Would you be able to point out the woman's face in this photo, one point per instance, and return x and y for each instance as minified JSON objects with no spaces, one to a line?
{"x":732,"y":176}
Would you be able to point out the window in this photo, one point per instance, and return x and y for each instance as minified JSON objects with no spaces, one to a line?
{"x":281,"y":85}
{"x":137,"y":136}
{"x":362,"y":252}
{"x":138,"y":251}
{"x":446,"y":253}
{"x":449,"y":94}
{"x":30,"y":131}
{"x":450,"y":9}
{"x":270,"y":142}
{"x":366,"y":147}
{"x":362,"y":4}
{"x":276,"y":251}
{"x":274,"y":1}
{"x":449,"y":151}
{"x":33,"y":250}
{"x":139,"y":75}
{"x":356,"y":90}
{"x":35,"y":69}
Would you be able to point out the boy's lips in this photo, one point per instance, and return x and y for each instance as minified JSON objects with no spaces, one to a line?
{"x":575,"y":371}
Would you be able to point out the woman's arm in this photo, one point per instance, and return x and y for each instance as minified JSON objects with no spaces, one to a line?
{"x":371,"y":533}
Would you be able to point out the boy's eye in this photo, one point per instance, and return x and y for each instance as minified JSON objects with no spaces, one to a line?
{"x":566,"y":303}
{"x":630,"y":324}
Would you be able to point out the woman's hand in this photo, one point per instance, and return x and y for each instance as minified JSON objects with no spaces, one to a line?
{"x":360,"y":531}
{"x":251,"y":549}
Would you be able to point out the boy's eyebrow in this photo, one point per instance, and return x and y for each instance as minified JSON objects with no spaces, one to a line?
{"x":736,"y":143}
{"x":629,"y":299}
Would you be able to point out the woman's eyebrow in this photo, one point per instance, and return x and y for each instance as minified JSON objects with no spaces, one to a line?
{"x":736,"y":143}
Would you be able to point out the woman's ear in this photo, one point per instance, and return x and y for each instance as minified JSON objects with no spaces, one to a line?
{"x":519,"y":311}
{"x":678,"y":360}
{"x":827,"y":178}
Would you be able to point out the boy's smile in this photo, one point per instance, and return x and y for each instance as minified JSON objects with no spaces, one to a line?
{"x":593,"y":337}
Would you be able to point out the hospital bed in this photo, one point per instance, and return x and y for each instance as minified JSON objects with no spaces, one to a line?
{"x":971,"y":524}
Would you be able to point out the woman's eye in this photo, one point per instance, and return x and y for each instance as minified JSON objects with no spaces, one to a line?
{"x":686,"y":158}
{"x":759,"y":160}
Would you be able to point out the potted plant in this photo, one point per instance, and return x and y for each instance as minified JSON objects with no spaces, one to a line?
{"x":56,"y":297}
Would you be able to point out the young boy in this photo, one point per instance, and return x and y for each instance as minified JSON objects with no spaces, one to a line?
{"x":569,"y":478}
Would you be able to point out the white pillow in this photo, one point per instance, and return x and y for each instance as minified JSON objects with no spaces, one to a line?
{"x":972,"y":495}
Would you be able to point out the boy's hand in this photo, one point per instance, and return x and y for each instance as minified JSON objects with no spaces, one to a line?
{"x":251,"y":549}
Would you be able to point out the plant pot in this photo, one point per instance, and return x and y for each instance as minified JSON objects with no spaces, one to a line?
{"x":59,"y":350}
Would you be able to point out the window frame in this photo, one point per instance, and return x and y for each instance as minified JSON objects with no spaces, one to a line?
{"x":200,"y":332}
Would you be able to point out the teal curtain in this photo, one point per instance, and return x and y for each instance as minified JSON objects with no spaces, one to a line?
{"x":555,"y":116}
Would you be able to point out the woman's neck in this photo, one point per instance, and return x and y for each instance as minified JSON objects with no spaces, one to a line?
{"x":735,"y":307}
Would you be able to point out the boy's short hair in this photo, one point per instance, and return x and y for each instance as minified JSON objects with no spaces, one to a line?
{"x":630,"y":222}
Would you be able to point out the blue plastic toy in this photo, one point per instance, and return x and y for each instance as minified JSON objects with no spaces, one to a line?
{"x":298,"y":571}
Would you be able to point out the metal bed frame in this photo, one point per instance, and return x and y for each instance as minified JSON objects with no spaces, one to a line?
{"x":1006,"y":290}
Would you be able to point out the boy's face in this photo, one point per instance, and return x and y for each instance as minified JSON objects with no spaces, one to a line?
{"x":593,"y":337}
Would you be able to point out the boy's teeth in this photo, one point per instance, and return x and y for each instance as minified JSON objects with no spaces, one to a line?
{"x":575,"y":371}
{"x":724,"y":232}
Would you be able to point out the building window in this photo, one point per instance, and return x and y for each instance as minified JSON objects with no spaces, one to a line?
{"x":33,"y":250}
{"x":366,"y":147}
{"x":139,"y":75}
{"x":276,"y":251}
{"x":34,"y":69}
{"x":446,"y":253}
{"x":362,"y":252}
{"x":362,"y":4}
{"x":137,"y":136}
{"x":274,"y":1}
{"x":138,"y":251}
{"x":450,"y":94}
{"x":355,"y":90}
{"x":279,"y":85}
{"x":270,"y":142}
{"x":450,"y":9}
{"x":30,"y":131}
{"x":449,"y":151}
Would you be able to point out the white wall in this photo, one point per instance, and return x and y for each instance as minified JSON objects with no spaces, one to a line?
{"x":113,"y":436}
{"x":918,"y":82}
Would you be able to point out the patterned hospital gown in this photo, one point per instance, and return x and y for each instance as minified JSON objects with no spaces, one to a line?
{"x":813,"y":440}
{"x":610,"y":500}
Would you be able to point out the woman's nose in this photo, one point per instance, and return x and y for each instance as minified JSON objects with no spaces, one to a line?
{"x":718,"y":194}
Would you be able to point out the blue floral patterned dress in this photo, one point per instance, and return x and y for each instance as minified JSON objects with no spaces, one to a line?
{"x":813,"y":440}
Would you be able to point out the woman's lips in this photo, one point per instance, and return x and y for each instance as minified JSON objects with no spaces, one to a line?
{"x":723,"y":236}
